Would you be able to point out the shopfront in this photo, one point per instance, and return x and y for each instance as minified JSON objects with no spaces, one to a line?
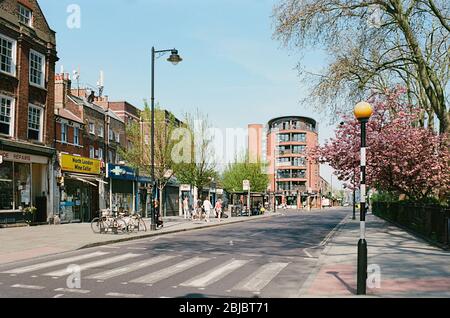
{"x":80,"y":188}
{"x":122,"y":189}
{"x":23,"y":185}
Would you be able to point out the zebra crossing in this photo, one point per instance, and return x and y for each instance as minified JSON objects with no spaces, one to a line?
{"x":144,"y":270}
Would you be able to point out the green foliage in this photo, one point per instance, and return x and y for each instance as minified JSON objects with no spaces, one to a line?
{"x":242,"y":170}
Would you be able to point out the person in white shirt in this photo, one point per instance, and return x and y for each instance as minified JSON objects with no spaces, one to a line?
{"x":186,"y":207}
{"x":207,"y":206}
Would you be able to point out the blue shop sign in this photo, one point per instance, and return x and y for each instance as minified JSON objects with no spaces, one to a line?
{"x":144,"y":179}
{"x":120,"y":172}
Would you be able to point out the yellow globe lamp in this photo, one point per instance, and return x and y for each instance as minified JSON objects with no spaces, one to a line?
{"x":363,"y":111}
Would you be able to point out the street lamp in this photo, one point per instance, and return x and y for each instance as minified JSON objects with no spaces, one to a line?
{"x":174,"y":59}
{"x":363,"y":111}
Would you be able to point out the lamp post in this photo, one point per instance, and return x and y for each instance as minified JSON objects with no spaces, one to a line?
{"x":354,"y":194}
{"x":363,"y":111}
{"x":174,"y":59}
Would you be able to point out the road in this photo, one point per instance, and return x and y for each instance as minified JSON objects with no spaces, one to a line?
{"x":268,"y":258}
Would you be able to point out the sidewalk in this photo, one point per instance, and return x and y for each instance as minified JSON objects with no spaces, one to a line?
{"x":409,"y":266}
{"x":28,"y":242}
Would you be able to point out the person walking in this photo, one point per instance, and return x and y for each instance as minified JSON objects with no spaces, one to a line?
{"x":186,"y":208}
{"x":218,"y":209}
{"x":207,"y":206}
{"x":198,"y":209}
{"x":158,"y":218}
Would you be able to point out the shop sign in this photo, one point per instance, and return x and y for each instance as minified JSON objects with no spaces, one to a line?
{"x":22,"y":157}
{"x":219,"y":191}
{"x":80,"y":164}
{"x":185,"y":187}
{"x":144,"y":179}
{"x":120,"y":172}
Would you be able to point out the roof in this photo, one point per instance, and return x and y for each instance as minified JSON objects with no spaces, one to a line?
{"x":83,"y":102}
{"x":67,"y":114}
{"x":302,"y":118}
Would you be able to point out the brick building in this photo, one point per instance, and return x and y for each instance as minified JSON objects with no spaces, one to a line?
{"x":294,"y":179}
{"x":88,"y":138}
{"x":27,"y":67}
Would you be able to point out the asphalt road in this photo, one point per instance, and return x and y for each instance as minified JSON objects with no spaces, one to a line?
{"x":269,"y":258}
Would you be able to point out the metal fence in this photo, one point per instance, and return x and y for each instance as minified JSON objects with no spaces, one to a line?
{"x":430,"y":221}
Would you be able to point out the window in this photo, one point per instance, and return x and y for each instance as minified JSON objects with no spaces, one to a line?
{"x":299,"y":162}
{"x":100,"y":153}
{"x":299,"y":137}
{"x":64,"y":133}
{"x":298,"y":149}
{"x":25,"y":15}
{"x":6,"y":114}
{"x":283,"y":138}
{"x":111,"y":135}
{"x":100,"y":131}
{"x":76,"y":137}
{"x":7,"y":55}
{"x":92,"y":128}
{"x":37,"y":68}
{"x":35,"y":123}
{"x":118,"y":138}
{"x":91,"y":152}
{"x":299,"y":174}
{"x":110,"y":156}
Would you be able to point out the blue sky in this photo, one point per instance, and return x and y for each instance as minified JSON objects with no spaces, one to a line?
{"x":232,"y":70}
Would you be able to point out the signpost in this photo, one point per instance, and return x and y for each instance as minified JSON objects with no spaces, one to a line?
{"x":246,"y":187}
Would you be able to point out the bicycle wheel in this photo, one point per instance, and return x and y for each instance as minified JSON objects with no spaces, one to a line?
{"x":97,"y":225}
{"x":141,"y":225}
{"x":120,"y":225}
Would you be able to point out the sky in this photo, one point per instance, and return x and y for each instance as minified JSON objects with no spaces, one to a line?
{"x":232,"y":70}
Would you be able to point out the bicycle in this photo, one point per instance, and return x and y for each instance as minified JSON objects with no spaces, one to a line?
{"x":107,"y":222}
{"x":136,"y":222}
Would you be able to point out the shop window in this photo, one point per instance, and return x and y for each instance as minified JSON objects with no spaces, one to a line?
{"x":6,"y":186}
{"x":15,"y":185}
{"x":22,"y":185}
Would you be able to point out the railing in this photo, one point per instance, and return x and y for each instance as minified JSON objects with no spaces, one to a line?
{"x":430,"y":221}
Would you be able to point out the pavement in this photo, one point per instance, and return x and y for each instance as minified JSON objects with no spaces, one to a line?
{"x":23,"y":243}
{"x":400,"y":264}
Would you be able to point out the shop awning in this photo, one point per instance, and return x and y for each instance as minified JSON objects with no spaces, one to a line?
{"x":85,"y":178}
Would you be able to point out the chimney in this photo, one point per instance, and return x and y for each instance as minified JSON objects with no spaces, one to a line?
{"x":62,"y":88}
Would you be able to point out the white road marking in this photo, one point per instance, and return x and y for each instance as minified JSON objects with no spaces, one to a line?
{"x":261,"y":278}
{"x":169,"y":271}
{"x":328,"y":237}
{"x":28,"y":286}
{"x":214,"y":275}
{"x":64,"y":272}
{"x":39,"y":266}
{"x":130,"y":268}
{"x":307,"y":253}
{"x":74,"y":291}
{"x":136,"y":248}
{"x":58,"y":296}
{"x":124,"y":295}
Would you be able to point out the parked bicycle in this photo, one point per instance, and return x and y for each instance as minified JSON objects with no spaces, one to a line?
{"x":121,"y":223}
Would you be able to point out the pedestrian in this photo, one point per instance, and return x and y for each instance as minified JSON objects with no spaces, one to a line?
{"x":218,"y":209}
{"x":186,"y":207}
{"x":207,"y":206}
{"x":158,"y":218}
{"x":199,"y":209}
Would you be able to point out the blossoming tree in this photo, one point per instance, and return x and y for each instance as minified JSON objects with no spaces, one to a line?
{"x":401,"y":157}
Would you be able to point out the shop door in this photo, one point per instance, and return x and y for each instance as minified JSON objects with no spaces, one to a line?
{"x":172,"y":201}
{"x":94,"y":203}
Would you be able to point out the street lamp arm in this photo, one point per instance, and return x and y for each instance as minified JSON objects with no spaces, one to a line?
{"x":165,"y":51}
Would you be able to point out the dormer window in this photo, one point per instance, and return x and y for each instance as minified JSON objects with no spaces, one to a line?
{"x":25,"y":15}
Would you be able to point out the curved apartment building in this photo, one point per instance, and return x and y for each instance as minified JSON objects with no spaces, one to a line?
{"x":293,"y":178}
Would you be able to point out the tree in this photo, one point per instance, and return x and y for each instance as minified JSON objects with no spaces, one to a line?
{"x":242,"y":170}
{"x":402,"y":158}
{"x":194,"y":153}
{"x":374,"y":45}
{"x":138,"y":155}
